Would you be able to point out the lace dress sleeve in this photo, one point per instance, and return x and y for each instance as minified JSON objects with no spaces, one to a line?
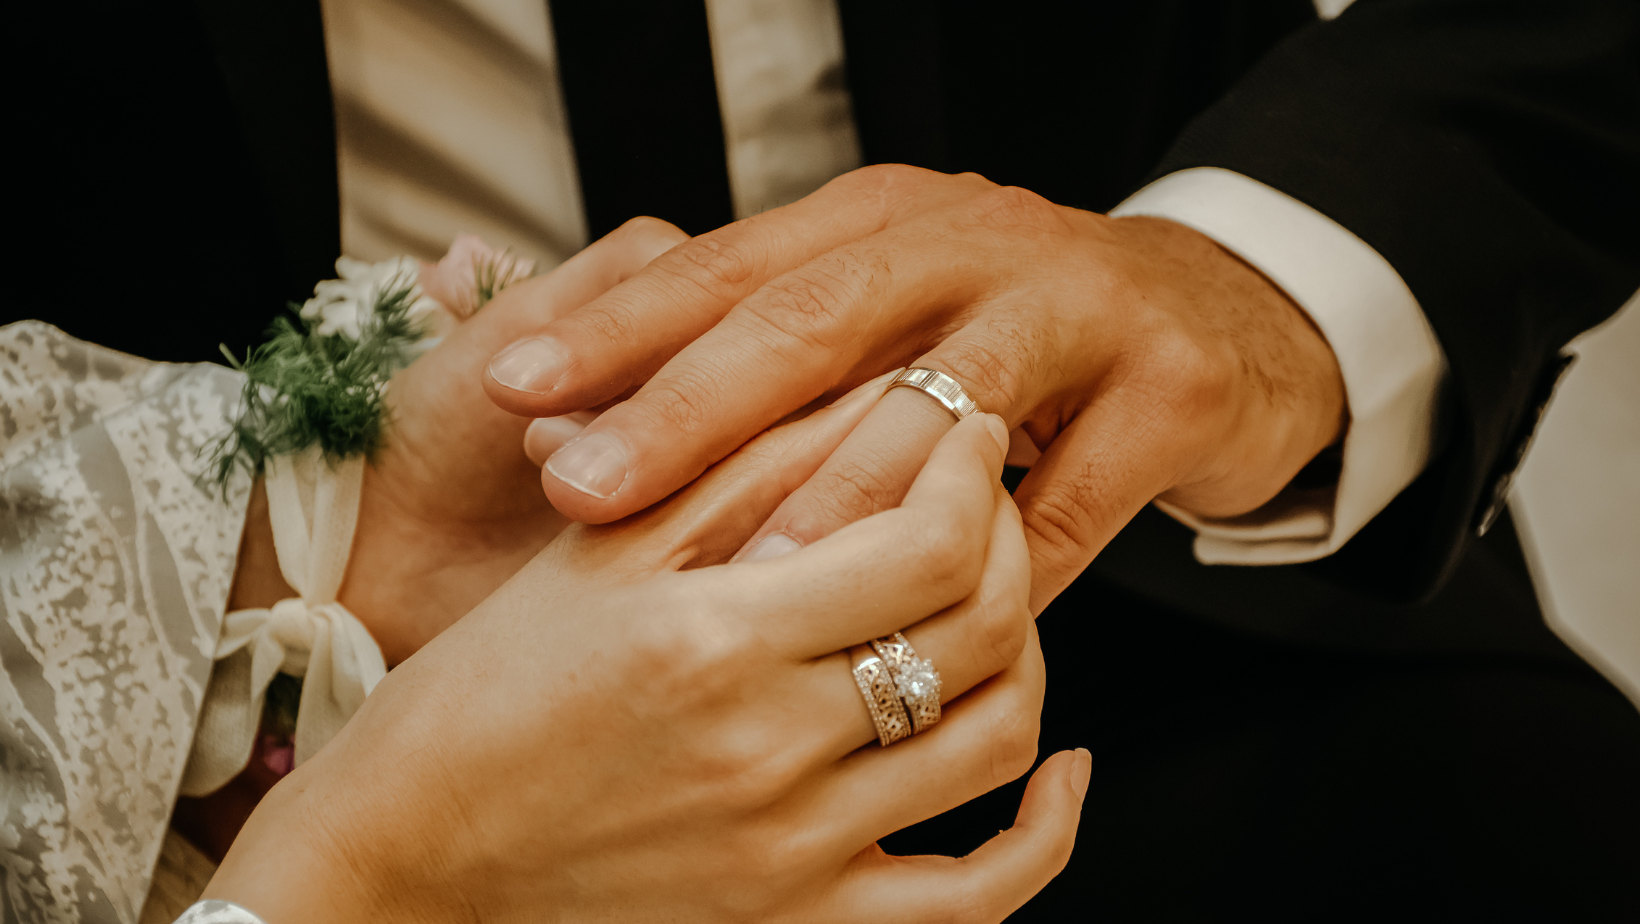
{"x":116,"y":559}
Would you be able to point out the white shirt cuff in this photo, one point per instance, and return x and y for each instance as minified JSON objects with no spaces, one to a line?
{"x":1391,"y":361}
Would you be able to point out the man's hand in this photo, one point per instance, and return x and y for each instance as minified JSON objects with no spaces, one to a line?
{"x":1147,"y":360}
{"x":449,"y":508}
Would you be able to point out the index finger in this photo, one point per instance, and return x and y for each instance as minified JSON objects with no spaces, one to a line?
{"x":615,"y":344}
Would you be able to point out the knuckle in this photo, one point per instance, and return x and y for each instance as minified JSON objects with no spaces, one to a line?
{"x":892,"y":177}
{"x":717,"y":265}
{"x":744,"y":768}
{"x":944,"y":558}
{"x":1013,"y":745}
{"x":686,"y":661}
{"x":993,"y":370}
{"x":999,"y":632}
{"x":856,"y":487}
{"x":686,"y":403}
{"x":810,"y":304}
{"x":651,"y":231}
{"x":614,"y":320}
{"x":1010,"y":208}
{"x":794,"y":849}
{"x":892,"y":188}
{"x":1056,"y":524}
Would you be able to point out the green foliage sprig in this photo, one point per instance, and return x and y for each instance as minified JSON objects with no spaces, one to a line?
{"x":492,"y":274}
{"x":304,"y":388}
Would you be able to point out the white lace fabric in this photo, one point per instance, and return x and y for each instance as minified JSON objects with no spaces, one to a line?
{"x":117,"y":555}
{"x":116,"y":559}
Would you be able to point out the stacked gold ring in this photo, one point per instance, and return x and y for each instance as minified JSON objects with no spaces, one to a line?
{"x":915,"y":680}
{"x":901,"y":690}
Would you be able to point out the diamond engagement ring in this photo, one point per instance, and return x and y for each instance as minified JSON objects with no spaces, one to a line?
{"x":901,"y":690}
{"x":915,"y":680}
{"x":939,"y":386}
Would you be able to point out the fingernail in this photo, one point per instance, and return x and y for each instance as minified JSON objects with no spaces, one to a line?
{"x":773,"y":545}
{"x":532,"y":365}
{"x":547,"y":434}
{"x":1081,"y":772}
{"x":872,"y":389}
{"x":594,"y":465}
{"x":998,"y":430}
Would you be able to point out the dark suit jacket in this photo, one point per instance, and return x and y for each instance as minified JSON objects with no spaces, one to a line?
{"x":182,"y":187}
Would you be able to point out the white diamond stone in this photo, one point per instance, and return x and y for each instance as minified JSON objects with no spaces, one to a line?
{"x":918,"y":680}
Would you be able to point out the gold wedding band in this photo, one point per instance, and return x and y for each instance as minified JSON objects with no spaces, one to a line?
{"x":876,"y":684}
{"x":939,"y":386}
{"x":901,"y":690}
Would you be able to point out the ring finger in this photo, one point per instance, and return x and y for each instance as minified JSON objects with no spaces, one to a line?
{"x":989,"y":739}
{"x":967,"y":643}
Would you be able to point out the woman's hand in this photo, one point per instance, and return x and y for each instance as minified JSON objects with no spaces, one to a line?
{"x":683,"y":740}
{"x":1143,"y":357}
{"x":451,"y":508}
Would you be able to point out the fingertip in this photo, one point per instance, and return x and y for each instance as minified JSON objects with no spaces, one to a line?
{"x":1057,"y":788}
{"x":992,"y":449}
{"x":531,"y":366}
{"x":647,"y":236}
{"x":999,"y":432}
{"x":546,"y":435}
{"x":773,"y":545}
{"x":1007,"y":507}
{"x":1081,"y":772}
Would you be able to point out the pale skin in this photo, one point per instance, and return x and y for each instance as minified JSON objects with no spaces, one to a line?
{"x":678,"y":738}
{"x":1145,"y":360}
{"x":601,"y":736}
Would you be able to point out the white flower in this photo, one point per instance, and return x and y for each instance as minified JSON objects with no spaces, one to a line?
{"x":347,"y":304}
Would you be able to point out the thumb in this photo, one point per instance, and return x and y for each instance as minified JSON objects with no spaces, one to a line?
{"x":1095,"y":476}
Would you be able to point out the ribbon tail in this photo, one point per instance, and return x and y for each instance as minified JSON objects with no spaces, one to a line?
{"x":345,"y":667}
{"x":287,"y":515}
{"x":239,"y":629}
{"x":226,"y":735}
{"x":248,"y":657}
{"x":335,"y":518}
{"x":318,"y":718}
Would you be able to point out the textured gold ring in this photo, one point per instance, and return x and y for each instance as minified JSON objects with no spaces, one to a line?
{"x":877,"y":685}
{"x":939,"y":386}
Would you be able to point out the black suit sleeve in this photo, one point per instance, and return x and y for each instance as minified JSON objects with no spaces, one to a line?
{"x":1490,"y":151}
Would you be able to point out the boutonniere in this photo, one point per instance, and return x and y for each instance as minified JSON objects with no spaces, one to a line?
{"x":321,"y":378}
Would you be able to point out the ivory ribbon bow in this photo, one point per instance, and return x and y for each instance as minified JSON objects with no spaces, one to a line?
{"x":314,"y":508}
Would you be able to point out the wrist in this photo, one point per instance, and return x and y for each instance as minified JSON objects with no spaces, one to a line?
{"x":281,"y":869}
{"x":303,"y":856}
{"x":257,"y":580}
{"x":353,"y":835}
{"x":1264,"y":394}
